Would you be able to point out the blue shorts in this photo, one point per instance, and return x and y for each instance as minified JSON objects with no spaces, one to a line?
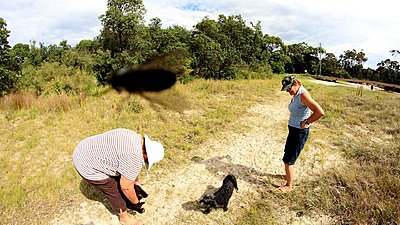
{"x":295,"y":142}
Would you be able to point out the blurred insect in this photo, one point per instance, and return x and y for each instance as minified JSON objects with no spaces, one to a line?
{"x":154,"y":80}
{"x":140,"y":80}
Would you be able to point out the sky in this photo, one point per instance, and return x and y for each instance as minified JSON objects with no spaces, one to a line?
{"x":338,"y":25}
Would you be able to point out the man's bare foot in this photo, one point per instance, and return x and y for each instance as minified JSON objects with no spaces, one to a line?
{"x":284,"y":189}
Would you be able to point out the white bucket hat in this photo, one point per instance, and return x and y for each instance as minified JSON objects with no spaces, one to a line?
{"x":155,"y":151}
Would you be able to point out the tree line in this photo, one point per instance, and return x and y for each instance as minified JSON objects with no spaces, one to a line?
{"x":225,"y":48}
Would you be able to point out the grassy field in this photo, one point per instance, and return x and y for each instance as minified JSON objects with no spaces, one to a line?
{"x":364,"y":126}
{"x":39,"y":136}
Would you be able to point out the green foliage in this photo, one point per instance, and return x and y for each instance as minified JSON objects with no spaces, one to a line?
{"x":121,"y":23}
{"x":17,"y":56}
{"x":278,"y":67}
{"x":225,"y":48}
{"x":388,"y":71}
{"x":303,"y":58}
{"x":4,"y":34}
{"x":103,"y":66}
{"x":85,"y":46}
{"x":208,"y":61}
{"x":7,"y":81}
{"x":352,"y":61}
{"x":340,"y":73}
{"x":53,"y":78}
{"x":221,"y":47}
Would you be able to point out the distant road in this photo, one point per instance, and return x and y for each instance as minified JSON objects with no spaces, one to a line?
{"x":385,"y":86}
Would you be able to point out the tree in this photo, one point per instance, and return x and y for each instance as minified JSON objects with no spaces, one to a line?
{"x":303,"y":58}
{"x":329,"y":64}
{"x":389,"y":71}
{"x":216,"y":54}
{"x":85,"y":46}
{"x":7,"y":76}
{"x":161,"y":41}
{"x":276,"y":52}
{"x":120,"y":25}
{"x":239,"y":38}
{"x":395,"y":53}
{"x":4,"y":45}
{"x":330,"y":67}
{"x":17,"y":56}
{"x":353,"y":61}
{"x":37,"y":55}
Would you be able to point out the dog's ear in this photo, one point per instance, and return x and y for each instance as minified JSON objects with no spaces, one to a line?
{"x":232,"y":178}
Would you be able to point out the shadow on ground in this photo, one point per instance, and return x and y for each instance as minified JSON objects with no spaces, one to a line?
{"x":265,"y":182}
{"x":223,"y":164}
{"x":195,"y":205}
{"x":94,"y":194}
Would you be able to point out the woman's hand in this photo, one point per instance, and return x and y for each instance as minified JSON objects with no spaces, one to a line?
{"x":304,"y":124}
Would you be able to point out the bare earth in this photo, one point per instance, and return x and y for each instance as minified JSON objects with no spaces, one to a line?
{"x":253,"y":157}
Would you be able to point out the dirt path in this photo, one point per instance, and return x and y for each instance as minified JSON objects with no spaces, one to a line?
{"x":252,"y":157}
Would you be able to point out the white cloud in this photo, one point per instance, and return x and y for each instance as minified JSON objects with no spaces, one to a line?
{"x":339,"y":25}
{"x":51,"y":21}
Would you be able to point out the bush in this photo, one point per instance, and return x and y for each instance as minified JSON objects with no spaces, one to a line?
{"x":53,"y":78}
{"x":7,"y":81}
{"x":255,"y":71}
{"x":340,"y":73}
{"x":278,"y":67}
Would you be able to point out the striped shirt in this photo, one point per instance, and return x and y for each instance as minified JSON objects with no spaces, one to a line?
{"x":115,"y":152}
{"x":298,"y":110}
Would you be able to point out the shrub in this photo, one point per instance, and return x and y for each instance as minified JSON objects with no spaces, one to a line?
{"x":7,"y":81}
{"x":278,"y":67}
{"x":53,"y":78}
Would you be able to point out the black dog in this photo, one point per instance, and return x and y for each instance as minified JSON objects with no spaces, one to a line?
{"x":221,"y":197}
{"x":140,"y":193}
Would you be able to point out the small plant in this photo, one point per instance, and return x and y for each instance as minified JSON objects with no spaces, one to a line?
{"x":359,"y":91}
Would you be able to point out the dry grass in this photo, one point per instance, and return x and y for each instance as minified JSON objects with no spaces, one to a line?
{"x":39,"y":135}
{"x":37,"y":175}
{"x":364,"y":128}
{"x":30,"y":101}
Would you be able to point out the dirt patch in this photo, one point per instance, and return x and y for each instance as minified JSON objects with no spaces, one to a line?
{"x":252,"y":157}
{"x":364,"y":86}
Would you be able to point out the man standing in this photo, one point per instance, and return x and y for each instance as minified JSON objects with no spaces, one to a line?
{"x":111,"y":161}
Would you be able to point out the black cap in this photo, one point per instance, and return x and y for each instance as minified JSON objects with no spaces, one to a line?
{"x":287,"y":82}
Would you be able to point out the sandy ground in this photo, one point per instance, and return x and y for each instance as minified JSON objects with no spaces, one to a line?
{"x":367,"y":87}
{"x":253,"y":157}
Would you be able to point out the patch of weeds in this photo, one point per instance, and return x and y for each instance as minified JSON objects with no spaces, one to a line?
{"x":32,"y":114}
{"x":32,"y":142}
{"x":259,"y":213}
{"x":12,"y":196}
{"x":134,"y":105}
{"x":10,"y":115}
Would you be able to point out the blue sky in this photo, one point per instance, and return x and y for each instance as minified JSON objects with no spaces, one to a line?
{"x":339,"y":25}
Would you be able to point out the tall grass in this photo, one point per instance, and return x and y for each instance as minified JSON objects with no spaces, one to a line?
{"x":367,"y":191}
{"x":30,"y":101}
